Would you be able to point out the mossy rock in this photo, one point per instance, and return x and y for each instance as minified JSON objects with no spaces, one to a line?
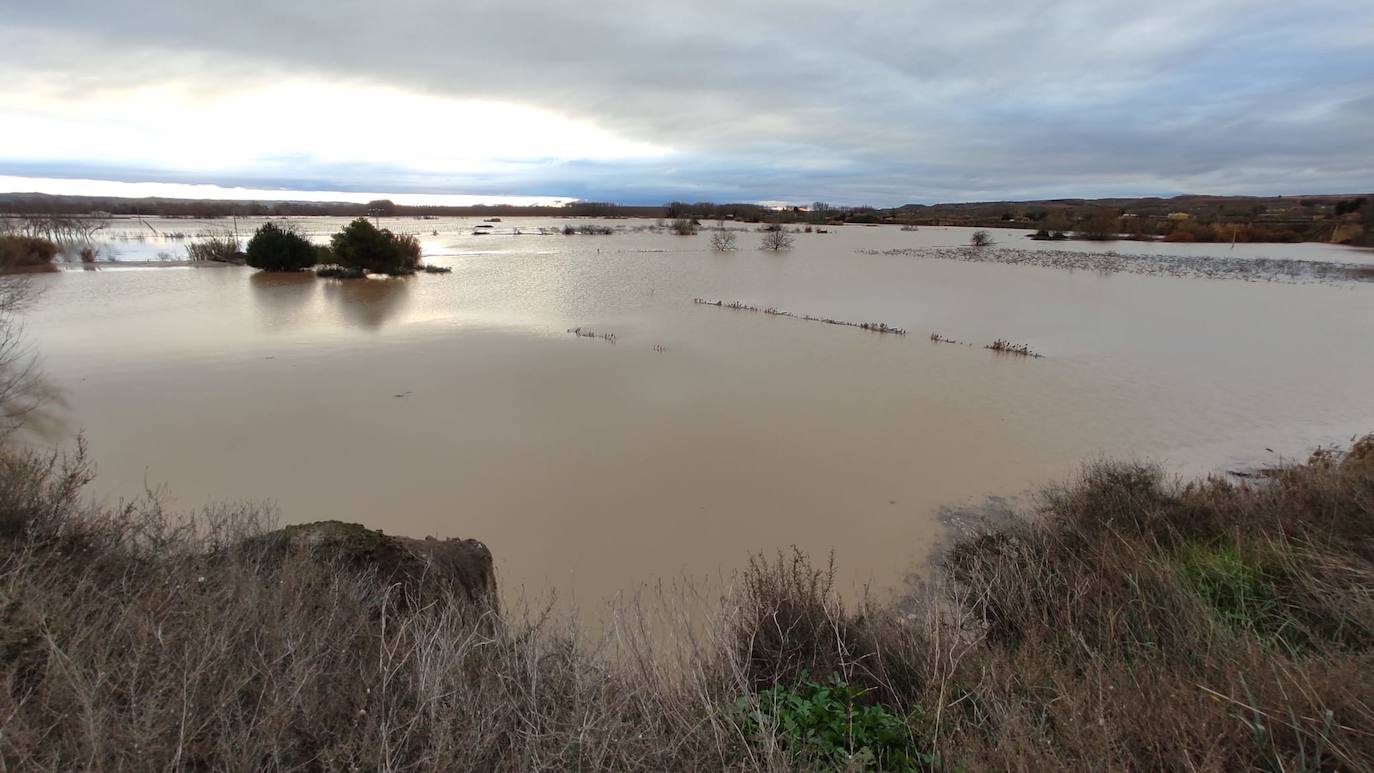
{"x":419,"y":566}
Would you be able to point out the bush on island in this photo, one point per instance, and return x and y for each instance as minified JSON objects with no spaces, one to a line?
{"x":274,"y":248}
{"x":361,"y":245}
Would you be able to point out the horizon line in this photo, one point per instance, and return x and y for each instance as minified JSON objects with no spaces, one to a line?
{"x":123,"y":189}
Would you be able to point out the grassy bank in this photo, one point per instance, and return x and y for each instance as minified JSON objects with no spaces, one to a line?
{"x":1130,"y":623}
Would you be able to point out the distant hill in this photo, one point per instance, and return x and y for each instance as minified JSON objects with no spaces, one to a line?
{"x":1346,"y":218}
{"x":48,"y":204}
{"x":1272,"y":208}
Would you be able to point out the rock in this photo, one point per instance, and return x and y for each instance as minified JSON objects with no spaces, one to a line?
{"x":420,"y":567}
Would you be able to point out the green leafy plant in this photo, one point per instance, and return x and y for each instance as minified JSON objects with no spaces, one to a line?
{"x":1245,"y":590}
{"x":829,"y":728}
{"x":361,"y":245}
{"x":274,"y":248}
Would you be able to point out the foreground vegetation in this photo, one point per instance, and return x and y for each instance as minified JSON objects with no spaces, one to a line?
{"x":1131,"y":623}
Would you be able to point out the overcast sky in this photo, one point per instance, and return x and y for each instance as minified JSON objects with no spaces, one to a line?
{"x":881,"y":102}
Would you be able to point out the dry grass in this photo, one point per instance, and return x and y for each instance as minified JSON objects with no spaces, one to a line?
{"x":26,"y":253}
{"x":1130,"y":625}
{"x":222,"y":247}
{"x":135,"y":640}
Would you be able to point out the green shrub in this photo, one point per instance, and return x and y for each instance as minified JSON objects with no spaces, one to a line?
{"x":363,"y":246}
{"x":1243,"y":589}
{"x":274,"y":248}
{"x":827,"y":727}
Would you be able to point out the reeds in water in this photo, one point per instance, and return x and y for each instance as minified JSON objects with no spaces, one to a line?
{"x":876,"y":327}
{"x":1284,"y":270}
{"x":1001,"y":345}
{"x":582,"y":332}
{"x":940,"y":339}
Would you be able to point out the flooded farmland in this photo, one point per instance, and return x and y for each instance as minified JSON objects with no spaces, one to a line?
{"x":679,"y":437}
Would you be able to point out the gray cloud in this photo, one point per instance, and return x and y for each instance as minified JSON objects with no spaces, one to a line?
{"x":882,"y":102}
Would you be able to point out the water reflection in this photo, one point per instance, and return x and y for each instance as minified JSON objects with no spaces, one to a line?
{"x":368,"y":303}
{"x":32,"y":402}
{"x":282,"y":299}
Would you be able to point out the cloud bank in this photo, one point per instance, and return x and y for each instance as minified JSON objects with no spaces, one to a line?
{"x":884,"y":103}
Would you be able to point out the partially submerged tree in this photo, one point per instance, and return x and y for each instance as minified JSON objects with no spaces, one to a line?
{"x":685,"y":226}
{"x":776,"y":240}
{"x":723,"y":241}
{"x":274,"y":248}
{"x":363,"y":246}
{"x":69,"y":232}
{"x":980,"y":239}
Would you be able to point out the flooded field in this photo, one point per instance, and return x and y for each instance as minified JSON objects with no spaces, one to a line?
{"x":136,"y":239}
{"x":670,"y":437}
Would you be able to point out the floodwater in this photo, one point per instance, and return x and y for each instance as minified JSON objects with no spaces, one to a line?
{"x":156,"y":239}
{"x":459,"y":405}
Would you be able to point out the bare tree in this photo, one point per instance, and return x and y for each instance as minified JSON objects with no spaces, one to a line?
{"x":69,"y":232}
{"x":685,"y":226}
{"x":980,"y":239}
{"x":723,"y":241}
{"x":23,"y":391}
{"x":776,"y":240}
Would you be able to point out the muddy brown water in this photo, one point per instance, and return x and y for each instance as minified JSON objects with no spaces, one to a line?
{"x":458,"y":405}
